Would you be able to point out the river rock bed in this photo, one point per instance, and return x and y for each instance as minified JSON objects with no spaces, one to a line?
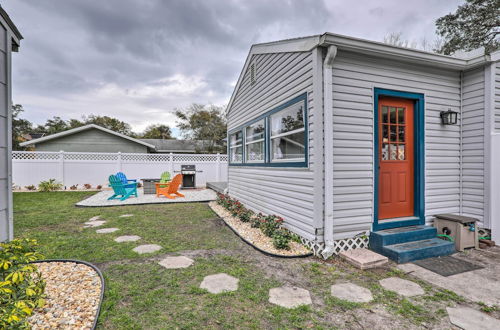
{"x":73,"y":293}
{"x":254,"y":235}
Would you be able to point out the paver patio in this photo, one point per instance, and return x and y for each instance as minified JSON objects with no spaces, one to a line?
{"x":191,"y":195}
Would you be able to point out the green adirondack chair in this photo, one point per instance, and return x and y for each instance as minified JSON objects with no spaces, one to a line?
{"x":164,"y":181}
{"x":121,"y":191}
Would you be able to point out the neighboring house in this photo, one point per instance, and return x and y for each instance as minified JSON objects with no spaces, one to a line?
{"x":94,"y":138}
{"x":341,"y":136}
{"x":89,"y":138}
{"x":178,"y":146}
{"x":9,"y":42}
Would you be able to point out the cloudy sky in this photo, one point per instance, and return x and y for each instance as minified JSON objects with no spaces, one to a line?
{"x":138,"y":60}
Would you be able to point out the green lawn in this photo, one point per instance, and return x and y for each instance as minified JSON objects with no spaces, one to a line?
{"x":141,"y":294}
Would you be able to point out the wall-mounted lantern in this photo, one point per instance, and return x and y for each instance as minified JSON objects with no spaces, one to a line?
{"x":449,"y":117}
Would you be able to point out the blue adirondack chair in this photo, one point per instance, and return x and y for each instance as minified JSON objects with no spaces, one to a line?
{"x":127,"y":182}
{"x":121,"y":191}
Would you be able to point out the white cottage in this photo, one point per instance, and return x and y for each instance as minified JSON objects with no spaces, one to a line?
{"x":9,"y":42}
{"x":342,"y":136}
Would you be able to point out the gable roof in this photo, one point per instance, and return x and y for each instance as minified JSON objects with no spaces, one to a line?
{"x":171,"y":145}
{"x":81,"y":129}
{"x":363,"y":46}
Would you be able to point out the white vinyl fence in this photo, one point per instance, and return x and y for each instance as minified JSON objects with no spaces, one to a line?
{"x":71,"y":168}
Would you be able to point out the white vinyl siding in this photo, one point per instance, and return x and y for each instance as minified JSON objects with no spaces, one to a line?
{"x":354,"y":79}
{"x":473,"y":143}
{"x":288,"y":192}
{"x":497,"y":97}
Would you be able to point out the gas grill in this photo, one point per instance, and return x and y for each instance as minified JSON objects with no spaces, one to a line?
{"x":188,"y":176}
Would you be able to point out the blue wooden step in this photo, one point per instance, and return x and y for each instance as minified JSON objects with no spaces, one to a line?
{"x":416,"y":250}
{"x":379,"y":239}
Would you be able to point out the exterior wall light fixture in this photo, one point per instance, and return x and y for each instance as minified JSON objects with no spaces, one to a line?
{"x":449,"y":117}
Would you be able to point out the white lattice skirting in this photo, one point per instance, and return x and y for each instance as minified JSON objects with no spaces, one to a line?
{"x":338,"y":245}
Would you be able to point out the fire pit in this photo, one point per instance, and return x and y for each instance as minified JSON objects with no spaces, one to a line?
{"x":149,"y":186}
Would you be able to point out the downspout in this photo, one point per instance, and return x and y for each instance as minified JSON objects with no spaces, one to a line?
{"x":461,"y":181}
{"x":328,"y":157}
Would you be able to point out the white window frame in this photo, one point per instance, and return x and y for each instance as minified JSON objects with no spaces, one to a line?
{"x":280,"y":135}
{"x":233,"y":147}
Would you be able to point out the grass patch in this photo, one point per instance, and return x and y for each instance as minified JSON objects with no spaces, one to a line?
{"x":410,"y":311}
{"x":487,"y":308}
{"x":445,"y":295}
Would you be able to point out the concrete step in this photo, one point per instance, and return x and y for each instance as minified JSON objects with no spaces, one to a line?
{"x":416,"y":250}
{"x":379,"y":239}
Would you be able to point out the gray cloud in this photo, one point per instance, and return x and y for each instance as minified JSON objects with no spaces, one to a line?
{"x":130,"y":58}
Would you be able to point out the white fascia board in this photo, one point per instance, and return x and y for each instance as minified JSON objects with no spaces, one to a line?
{"x":80,"y":129}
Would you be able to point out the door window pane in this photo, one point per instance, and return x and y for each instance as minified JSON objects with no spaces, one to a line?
{"x":401,"y":115}
{"x":394,"y":151}
{"x":385,"y":133}
{"x":401,"y":133}
{"x":401,"y":152}
{"x":393,"y":134}
{"x":385,"y":118}
{"x":393,"y":115}
{"x":385,"y":151}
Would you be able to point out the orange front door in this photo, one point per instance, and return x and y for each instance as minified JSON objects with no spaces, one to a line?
{"x":396,"y":181}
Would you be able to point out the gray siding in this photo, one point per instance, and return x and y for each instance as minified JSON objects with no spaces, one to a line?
{"x":92,"y":140}
{"x":5,"y":131}
{"x":286,"y":192}
{"x":497,"y":97}
{"x":473,"y":136}
{"x":354,"y":77}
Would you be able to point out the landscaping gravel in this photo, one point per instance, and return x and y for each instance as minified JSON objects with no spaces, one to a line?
{"x":255,"y":235}
{"x":72,"y":296}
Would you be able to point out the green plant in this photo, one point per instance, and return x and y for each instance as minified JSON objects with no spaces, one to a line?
{"x":488,"y":309}
{"x":281,"y":239}
{"x":31,"y":187}
{"x":49,"y":185}
{"x":21,"y":284}
{"x":270,"y":224}
{"x":245,"y":215}
{"x":256,"y":220}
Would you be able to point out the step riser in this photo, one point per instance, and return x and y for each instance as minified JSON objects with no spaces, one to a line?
{"x":380,"y":239}
{"x":418,"y":254}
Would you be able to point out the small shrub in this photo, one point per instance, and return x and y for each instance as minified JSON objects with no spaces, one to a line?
{"x":21,"y":284}
{"x":139,"y":185}
{"x":31,"y":187}
{"x":245,"y":215}
{"x":257,"y":220}
{"x":237,"y":208}
{"x":270,"y":224}
{"x":98,"y":187}
{"x":49,"y":185}
{"x":281,"y":239}
{"x":73,"y":187}
{"x":87,"y":186}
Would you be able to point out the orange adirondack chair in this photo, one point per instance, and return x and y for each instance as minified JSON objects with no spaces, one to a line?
{"x":172,"y":189}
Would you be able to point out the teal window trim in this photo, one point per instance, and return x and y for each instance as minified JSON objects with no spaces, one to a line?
{"x":267,"y":137}
{"x":419,"y":140}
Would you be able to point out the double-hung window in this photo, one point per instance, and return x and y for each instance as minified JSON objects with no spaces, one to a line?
{"x":277,"y":138}
{"x":254,"y":142}
{"x":236,"y":147}
{"x":288,"y":135}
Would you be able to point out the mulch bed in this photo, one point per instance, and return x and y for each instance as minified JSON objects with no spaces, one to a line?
{"x":73,"y":296}
{"x":255,"y":236}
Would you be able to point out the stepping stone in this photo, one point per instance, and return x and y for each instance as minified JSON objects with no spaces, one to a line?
{"x":126,"y":215}
{"x":351,"y":292}
{"x":127,"y":238}
{"x":219,"y":283}
{"x":147,"y":248}
{"x":363,"y":258}
{"x":106,"y":230}
{"x":97,"y":217}
{"x":471,"y":319}
{"x":176,"y":262}
{"x":95,"y":223}
{"x":402,"y":287}
{"x":289,"y":297}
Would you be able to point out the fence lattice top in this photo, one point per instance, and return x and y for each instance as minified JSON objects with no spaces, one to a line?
{"x":124,"y":157}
